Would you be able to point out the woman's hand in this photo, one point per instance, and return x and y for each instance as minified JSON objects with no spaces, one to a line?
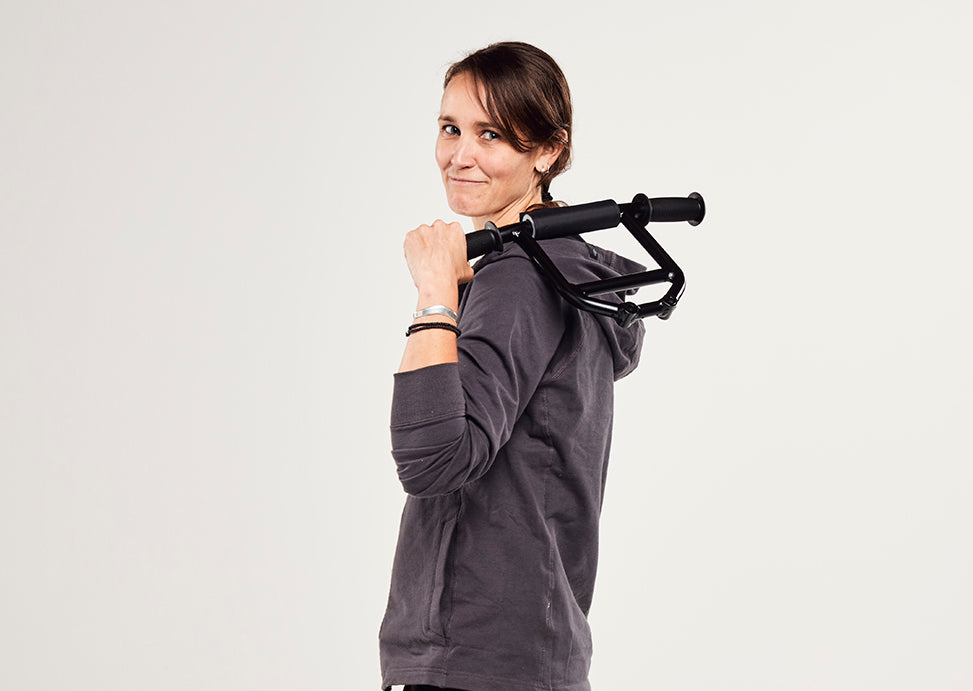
{"x":436,"y":255}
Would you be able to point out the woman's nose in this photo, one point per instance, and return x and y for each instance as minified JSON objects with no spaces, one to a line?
{"x":463,"y":153}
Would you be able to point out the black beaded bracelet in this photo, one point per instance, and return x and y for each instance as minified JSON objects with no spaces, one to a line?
{"x":422,"y":326}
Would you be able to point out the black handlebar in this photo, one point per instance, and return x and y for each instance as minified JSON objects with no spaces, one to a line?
{"x":572,"y":220}
{"x":482,"y":241}
{"x":546,"y":224}
{"x":670,"y":209}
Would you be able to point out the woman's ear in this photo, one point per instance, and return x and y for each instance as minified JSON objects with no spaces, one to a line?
{"x":551,"y":150}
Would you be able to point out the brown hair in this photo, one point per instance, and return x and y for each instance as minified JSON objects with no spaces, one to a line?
{"x":527,"y":97}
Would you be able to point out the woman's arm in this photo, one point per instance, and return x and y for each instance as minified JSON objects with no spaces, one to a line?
{"x":436,"y":256}
{"x":450,"y":420}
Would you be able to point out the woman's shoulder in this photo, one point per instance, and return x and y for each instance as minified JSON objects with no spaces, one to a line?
{"x":568,"y":248}
{"x":576,"y":259}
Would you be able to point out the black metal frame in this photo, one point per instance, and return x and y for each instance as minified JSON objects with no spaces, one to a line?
{"x":635,"y":217}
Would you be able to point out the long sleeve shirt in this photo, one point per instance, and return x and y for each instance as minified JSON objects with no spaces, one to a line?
{"x":504,"y":457}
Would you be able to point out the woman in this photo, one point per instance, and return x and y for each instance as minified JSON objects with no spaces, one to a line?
{"x":501,"y":416}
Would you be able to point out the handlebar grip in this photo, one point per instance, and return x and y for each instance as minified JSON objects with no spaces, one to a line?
{"x":482,"y":241}
{"x":557,"y":222}
{"x":572,"y":220}
{"x":668,"y":209}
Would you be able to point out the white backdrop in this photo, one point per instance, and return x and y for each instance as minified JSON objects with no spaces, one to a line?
{"x":202,"y":295}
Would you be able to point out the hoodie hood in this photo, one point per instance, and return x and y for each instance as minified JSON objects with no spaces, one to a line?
{"x":582,"y":262}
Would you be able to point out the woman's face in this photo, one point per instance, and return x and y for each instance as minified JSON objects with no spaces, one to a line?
{"x":484,"y":176}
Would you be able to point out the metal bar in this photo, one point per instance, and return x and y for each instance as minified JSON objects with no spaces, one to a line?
{"x":623,"y":283}
{"x":561,"y":284}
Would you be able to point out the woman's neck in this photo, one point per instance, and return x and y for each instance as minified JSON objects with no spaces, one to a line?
{"x":510,"y":213}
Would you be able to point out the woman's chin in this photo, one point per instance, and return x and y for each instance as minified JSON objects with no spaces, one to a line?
{"x":463,"y":207}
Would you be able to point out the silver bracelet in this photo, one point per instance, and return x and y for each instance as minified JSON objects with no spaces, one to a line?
{"x":436,"y":309}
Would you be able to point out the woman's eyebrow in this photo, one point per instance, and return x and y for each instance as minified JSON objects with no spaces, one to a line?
{"x":479,"y":125}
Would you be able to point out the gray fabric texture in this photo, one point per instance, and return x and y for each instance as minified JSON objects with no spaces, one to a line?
{"x":504,"y":457}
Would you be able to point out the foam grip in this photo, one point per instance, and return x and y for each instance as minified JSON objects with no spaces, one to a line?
{"x":482,"y":241}
{"x":572,"y":220}
{"x":669,"y":209}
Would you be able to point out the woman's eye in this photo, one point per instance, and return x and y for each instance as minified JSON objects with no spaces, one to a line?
{"x":490,"y":135}
{"x":450,"y":129}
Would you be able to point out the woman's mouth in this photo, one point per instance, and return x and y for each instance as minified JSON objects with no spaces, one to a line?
{"x":462,"y":181}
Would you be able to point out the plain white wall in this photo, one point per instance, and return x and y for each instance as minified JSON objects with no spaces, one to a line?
{"x":202,"y":297}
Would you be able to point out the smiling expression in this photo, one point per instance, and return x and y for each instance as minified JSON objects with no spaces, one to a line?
{"x":484,"y":176}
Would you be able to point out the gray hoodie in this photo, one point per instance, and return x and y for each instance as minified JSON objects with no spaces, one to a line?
{"x":504,"y":456}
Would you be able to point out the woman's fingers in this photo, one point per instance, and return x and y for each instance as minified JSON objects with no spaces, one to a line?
{"x":436,"y":253}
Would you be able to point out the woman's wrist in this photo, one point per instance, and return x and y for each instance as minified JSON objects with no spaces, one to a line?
{"x":447,"y":297}
{"x":436,"y":310}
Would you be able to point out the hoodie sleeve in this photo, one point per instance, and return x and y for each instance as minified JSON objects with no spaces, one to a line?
{"x":450,"y":420}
